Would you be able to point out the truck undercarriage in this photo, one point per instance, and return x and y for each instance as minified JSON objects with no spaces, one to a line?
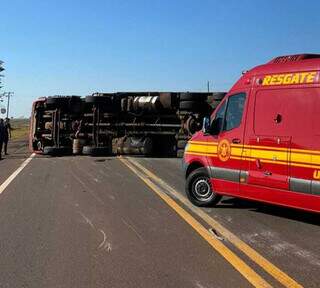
{"x":141,"y":123}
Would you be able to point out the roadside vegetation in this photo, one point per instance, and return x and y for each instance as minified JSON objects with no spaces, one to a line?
{"x":20,"y":128}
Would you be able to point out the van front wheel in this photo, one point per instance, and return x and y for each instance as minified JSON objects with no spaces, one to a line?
{"x":199,"y":189}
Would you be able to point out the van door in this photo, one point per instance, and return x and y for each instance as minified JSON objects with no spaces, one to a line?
{"x":226,"y":143}
{"x":270,"y":161}
{"x":269,"y":144}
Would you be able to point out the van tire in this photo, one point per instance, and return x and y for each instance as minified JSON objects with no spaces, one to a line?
{"x":199,"y":189}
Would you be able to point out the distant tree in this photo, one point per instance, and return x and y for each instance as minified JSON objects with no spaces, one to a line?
{"x":1,"y":66}
{"x":1,"y":69}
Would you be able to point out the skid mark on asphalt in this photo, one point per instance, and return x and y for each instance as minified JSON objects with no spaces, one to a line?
{"x":86,"y":187}
{"x":87,"y":219}
{"x":105,"y":245}
{"x":103,"y":173}
{"x":199,"y":285}
{"x":132,"y":228}
{"x":284,"y":247}
{"x":95,"y":179}
{"x":104,"y":238}
{"x":280,"y":248}
{"x":112,"y":173}
{"x":92,"y":177}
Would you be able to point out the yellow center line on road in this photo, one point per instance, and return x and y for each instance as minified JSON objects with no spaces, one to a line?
{"x":246,"y":271}
{"x":270,"y":268}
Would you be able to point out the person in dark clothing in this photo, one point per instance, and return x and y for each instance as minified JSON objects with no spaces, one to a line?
{"x":7,"y":135}
{"x":2,"y":130}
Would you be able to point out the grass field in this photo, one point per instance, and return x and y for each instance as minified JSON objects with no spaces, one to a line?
{"x":20,"y":128}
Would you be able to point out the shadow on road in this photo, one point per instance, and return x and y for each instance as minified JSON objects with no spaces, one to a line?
{"x":283,"y":212}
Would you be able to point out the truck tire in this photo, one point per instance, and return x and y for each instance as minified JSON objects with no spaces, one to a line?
{"x":181,"y":144}
{"x":199,"y":189}
{"x":191,"y":125}
{"x":180,"y":153}
{"x":197,"y":97}
{"x":75,"y":105}
{"x":57,"y":151}
{"x":96,"y":151}
{"x":57,"y":102}
{"x":105,"y":100}
{"x":194,"y":106}
{"x":106,"y":103}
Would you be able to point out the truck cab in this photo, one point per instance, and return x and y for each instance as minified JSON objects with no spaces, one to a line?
{"x":262,"y":142}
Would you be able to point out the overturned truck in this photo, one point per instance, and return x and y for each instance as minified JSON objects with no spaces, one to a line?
{"x":141,"y":123}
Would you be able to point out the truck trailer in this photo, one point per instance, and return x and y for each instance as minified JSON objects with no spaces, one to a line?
{"x":140,"y":123}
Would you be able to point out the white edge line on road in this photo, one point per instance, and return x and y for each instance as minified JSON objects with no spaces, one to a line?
{"x":6,"y":183}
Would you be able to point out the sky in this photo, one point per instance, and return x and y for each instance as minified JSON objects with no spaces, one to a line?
{"x":80,"y":47}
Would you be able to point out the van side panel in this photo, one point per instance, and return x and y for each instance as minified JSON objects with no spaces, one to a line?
{"x":288,"y":142}
{"x":281,"y":197}
{"x":305,"y":151}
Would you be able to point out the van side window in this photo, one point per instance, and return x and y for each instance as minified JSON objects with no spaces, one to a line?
{"x":234,"y":111}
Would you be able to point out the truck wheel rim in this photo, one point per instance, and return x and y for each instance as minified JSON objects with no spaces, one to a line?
{"x":202,"y":189}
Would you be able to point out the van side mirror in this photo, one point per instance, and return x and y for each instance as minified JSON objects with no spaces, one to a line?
{"x":206,"y":125}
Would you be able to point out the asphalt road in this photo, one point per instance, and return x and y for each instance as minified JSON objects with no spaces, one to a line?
{"x":106,"y":222}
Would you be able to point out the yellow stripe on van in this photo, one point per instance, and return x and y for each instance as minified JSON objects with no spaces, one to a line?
{"x":235,"y":151}
{"x":196,"y":148}
{"x":203,"y":143}
{"x":302,"y":158}
{"x":270,"y":155}
{"x":212,"y":149}
{"x":303,"y":151}
{"x":267,"y":154}
{"x":315,"y":159}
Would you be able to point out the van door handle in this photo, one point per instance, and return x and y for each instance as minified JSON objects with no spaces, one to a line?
{"x":267,"y":173}
{"x":236,"y":141}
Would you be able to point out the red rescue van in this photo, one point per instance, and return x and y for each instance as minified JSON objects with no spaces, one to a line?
{"x":263,"y":140}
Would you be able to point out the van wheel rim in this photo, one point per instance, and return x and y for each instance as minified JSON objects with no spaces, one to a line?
{"x":202,"y":189}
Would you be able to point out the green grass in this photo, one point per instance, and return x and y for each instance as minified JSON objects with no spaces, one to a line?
{"x":20,"y":128}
